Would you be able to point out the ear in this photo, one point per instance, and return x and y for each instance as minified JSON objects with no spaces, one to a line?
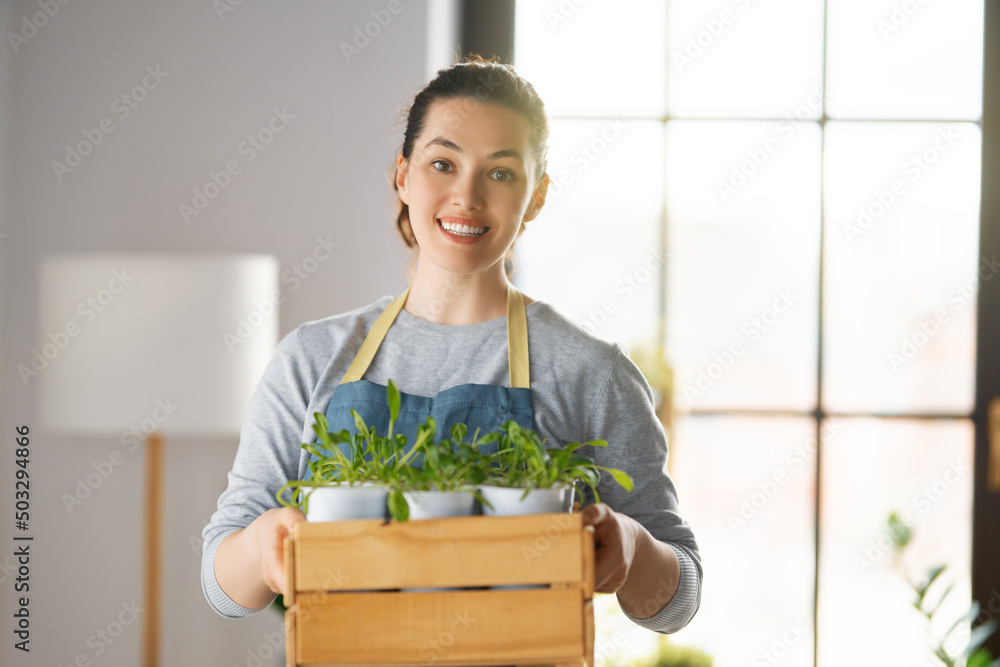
{"x":402,"y":182}
{"x":537,"y":200}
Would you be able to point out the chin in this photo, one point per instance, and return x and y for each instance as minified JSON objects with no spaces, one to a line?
{"x":458,"y":266}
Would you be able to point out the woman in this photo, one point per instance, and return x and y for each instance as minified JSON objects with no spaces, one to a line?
{"x":470,"y":176}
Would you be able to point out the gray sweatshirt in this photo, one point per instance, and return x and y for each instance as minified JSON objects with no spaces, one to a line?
{"x":583,"y":389}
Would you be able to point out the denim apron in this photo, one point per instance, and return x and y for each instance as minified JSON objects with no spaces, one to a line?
{"x":478,"y":406}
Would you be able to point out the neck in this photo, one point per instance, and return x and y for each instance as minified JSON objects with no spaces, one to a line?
{"x":444,"y":297}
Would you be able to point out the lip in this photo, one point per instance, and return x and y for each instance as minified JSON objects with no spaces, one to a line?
{"x":458,"y":220}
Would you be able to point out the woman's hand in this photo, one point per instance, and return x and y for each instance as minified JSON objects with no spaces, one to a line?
{"x":643,"y":571}
{"x":615,"y":537}
{"x":250,"y":563}
{"x":269,"y":531}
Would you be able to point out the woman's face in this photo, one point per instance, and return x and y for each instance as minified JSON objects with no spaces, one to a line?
{"x":470,"y":182}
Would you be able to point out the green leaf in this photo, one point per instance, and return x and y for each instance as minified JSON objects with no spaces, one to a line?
{"x":968,"y":618}
{"x":980,"y":658}
{"x":979,"y":636}
{"x":933,"y":610}
{"x":931,"y":577}
{"x":620,"y":476}
{"x":298,"y":487}
{"x":361,"y":426}
{"x":899,"y":532}
{"x":392,"y":395}
{"x":314,"y":450}
{"x":399,"y":509}
{"x":340,"y":437}
{"x":944,"y":657}
{"x":321,"y":421}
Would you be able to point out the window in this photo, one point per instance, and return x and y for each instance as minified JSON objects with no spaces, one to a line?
{"x":784,"y":195}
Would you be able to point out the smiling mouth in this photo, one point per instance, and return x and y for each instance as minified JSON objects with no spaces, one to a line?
{"x":460,"y":229}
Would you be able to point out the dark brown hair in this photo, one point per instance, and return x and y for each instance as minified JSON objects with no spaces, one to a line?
{"x":482,"y":81}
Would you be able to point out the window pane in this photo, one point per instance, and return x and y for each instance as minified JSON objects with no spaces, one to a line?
{"x":902,"y":229}
{"x":598,"y":58}
{"x":747,"y":487}
{"x":894,"y":59}
{"x":594,"y":251}
{"x":923,"y":471}
{"x":731,"y":57}
{"x":743,"y":262}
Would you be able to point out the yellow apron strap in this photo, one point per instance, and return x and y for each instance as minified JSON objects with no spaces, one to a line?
{"x":517,"y":339}
{"x":374,"y":339}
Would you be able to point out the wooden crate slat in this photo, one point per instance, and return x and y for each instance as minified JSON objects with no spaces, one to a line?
{"x":289,"y":556}
{"x":452,"y":552}
{"x":446,"y":628}
{"x":587,"y":548}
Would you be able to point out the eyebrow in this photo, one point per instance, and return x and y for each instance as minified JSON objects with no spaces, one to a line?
{"x":451,"y":145}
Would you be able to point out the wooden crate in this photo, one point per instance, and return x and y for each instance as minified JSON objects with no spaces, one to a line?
{"x":350,"y":601}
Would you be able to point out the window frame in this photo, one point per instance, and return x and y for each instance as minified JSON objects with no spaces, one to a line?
{"x":986,"y":503}
{"x":488,"y":28}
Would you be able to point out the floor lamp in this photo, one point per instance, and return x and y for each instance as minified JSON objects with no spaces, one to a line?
{"x":150,"y":344}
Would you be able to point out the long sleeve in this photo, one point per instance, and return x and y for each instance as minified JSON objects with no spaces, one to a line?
{"x":269,"y":454}
{"x":625,"y":417}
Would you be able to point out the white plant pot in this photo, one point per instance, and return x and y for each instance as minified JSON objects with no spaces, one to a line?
{"x":343,"y":503}
{"x":507,"y":501}
{"x":439,"y":504}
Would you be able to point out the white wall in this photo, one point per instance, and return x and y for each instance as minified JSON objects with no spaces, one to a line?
{"x":323,"y":176}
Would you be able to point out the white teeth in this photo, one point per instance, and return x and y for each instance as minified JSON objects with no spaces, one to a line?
{"x":463,"y":230}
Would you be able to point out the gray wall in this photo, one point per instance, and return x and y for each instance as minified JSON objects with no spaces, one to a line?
{"x":323,"y":176}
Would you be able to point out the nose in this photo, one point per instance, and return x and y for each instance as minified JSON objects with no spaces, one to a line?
{"x":467,"y":192}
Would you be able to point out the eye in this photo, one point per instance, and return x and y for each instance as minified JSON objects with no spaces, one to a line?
{"x":503,"y":175}
{"x":441,"y":165}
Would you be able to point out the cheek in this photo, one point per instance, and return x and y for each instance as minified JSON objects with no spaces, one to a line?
{"x":424,"y":192}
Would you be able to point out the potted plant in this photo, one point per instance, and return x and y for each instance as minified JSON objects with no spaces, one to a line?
{"x":950,"y":648}
{"x":341,"y":485}
{"x":358,"y":476}
{"x":445,"y":484}
{"x":526,"y":477}
{"x":349,"y":484}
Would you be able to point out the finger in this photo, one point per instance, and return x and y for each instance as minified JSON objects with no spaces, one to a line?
{"x":279,"y":557}
{"x":609,"y":579}
{"x":273,"y":556}
{"x":286,"y":526}
{"x":601,"y":575}
{"x":594,"y":514}
{"x":609,"y":561}
{"x":609,"y":575}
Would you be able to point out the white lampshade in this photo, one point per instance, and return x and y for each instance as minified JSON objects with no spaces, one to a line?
{"x":175,"y":342}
